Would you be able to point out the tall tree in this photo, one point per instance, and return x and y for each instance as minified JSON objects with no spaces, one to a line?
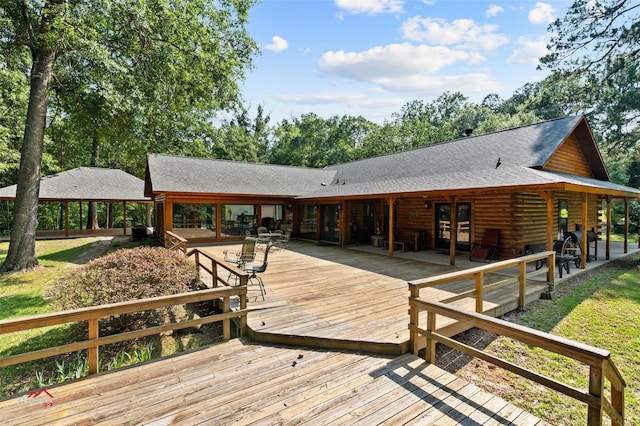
{"x":177,"y":62}
{"x":598,"y":44}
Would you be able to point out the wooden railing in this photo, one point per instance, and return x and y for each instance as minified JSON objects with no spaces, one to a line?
{"x":93,"y":314}
{"x":478,"y":274}
{"x":600,"y":364}
{"x":175,"y":242}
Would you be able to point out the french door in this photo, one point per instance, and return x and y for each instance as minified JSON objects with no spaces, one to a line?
{"x":330,"y":223}
{"x":462,"y":226}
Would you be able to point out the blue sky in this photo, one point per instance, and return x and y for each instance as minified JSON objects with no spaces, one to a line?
{"x":370,"y":57}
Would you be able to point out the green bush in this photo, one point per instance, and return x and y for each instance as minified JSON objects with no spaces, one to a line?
{"x":126,"y":274}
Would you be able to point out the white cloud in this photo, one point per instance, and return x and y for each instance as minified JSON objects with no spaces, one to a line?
{"x":410,"y":69}
{"x":460,"y":32}
{"x":422,"y":85}
{"x":371,"y":7}
{"x":543,"y":13}
{"x":529,"y":52}
{"x":493,"y":10}
{"x":394,"y":59}
{"x":278,"y":44}
{"x":349,"y":98}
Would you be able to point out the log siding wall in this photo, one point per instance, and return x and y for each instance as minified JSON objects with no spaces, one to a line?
{"x":570,"y":159}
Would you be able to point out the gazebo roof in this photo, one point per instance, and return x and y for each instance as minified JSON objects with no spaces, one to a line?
{"x":87,"y":184}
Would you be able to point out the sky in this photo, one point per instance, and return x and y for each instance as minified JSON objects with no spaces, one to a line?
{"x":370,"y":57}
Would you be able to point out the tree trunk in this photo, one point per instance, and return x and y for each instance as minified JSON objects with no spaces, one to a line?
{"x":92,"y":215}
{"x":21,"y":255}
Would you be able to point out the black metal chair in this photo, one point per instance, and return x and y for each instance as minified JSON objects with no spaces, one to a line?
{"x":254,"y":270}
{"x":566,"y":253}
{"x":246,"y":255}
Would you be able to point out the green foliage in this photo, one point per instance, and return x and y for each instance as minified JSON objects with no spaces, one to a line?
{"x":596,"y":47}
{"x":126,"y":274}
{"x":76,"y":367}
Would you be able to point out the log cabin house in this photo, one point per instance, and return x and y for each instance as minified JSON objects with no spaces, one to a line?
{"x":529,"y":182}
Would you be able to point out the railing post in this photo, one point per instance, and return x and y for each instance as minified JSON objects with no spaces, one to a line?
{"x":226,"y":323}
{"x":596,"y":387}
{"x":551,"y":270}
{"x":617,"y":402}
{"x":214,"y":273}
{"x":479,"y":291}
{"x":243,"y":304}
{"x":430,"y":348}
{"x":92,"y":352}
{"x":414,"y":314}
{"x":522,"y":282}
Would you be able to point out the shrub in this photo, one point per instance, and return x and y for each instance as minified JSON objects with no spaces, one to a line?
{"x":126,"y":274}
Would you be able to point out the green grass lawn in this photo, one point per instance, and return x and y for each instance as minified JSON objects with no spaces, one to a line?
{"x":602,"y":310}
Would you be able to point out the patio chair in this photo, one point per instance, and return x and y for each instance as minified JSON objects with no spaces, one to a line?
{"x":246,"y":255}
{"x":283,"y":240}
{"x":485,"y":250}
{"x":263,"y":235}
{"x":254,"y":270}
{"x":567,"y":252}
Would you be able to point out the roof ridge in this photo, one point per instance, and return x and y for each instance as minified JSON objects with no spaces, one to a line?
{"x":235,"y":161}
{"x":495,"y":132}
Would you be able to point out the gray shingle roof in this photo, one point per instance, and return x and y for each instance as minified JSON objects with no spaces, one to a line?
{"x":463,"y":164}
{"x":466,"y":164}
{"x":87,"y":183}
{"x":170,"y":173}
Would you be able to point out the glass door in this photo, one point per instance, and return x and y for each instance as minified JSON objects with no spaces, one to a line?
{"x":443,"y":226}
{"x":330,"y":223}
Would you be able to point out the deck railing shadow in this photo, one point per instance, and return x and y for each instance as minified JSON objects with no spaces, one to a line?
{"x":440,"y":403}
{"x":600,"y":364}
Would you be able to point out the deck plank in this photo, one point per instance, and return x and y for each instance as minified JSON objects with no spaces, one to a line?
{"x":313,"y":292}
{"x":329,"y":292}
{"x":239,"y":382}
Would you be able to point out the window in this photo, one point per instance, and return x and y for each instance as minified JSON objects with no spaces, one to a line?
{"x":563,"y":216}
{"x":308,"y":219}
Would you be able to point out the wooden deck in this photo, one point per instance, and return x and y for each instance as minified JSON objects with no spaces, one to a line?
{"x":244,"y":383}
{"x":336,"y":299}
{"x":355,"y":298}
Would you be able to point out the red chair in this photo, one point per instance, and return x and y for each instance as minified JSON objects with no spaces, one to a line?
{"x":486,"y":250}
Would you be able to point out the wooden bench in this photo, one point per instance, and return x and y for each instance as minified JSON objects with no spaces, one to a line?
{"x":396,"y":244}
{"x":412,"y":239}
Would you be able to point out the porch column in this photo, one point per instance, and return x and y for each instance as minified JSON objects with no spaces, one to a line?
{"x":585,"y":237}
{"x":80,"y":214}
{"x":548,"y":197}
{"x":608,"y":229}
{"x":391,"y":201}
{"x":66,"y":218}
{"x":453,"y":227}
{"x":124,"y":216}
{"x":168,"y":216}
{"x":626,"y":225}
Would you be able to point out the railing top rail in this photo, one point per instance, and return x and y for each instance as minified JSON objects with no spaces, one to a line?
{"x":471,"y":272}
{"x":219,"y":261}
{"x":92,"y":312}
{"x":176,"y":236}
{"x":579,"y":351}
